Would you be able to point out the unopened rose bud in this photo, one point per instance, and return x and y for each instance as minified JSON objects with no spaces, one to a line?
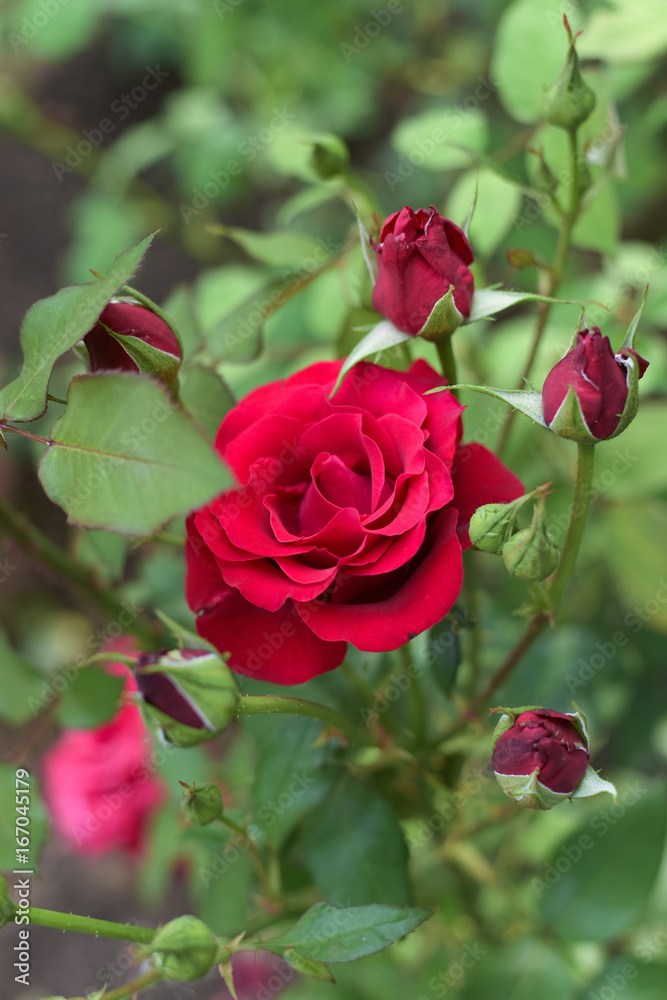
{"x":203,"y":804}
{"x":185,"y":948}
{"x":132,"y":338}
{"x":540,"y":757}
{"x":421,"y":255}
{"x":190,"y":693}
{"x":570,"y":101}
{"x":592,"y":393}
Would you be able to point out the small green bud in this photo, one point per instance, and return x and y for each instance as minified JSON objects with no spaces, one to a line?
{"x":491,"y":526}
{"x":330,"y":157}
{"x":529,"y":554}
{"x":202,"y":805}
{"x":185,"y":948}
{"x":570,"y":101}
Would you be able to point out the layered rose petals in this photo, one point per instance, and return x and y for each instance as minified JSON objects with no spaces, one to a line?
{"x":344,"y":526}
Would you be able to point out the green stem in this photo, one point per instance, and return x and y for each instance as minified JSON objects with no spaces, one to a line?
{"x":271,"y":704}
{"x":39,"y":545}
{"x":562,"y":247}
{"x":243,"y":835}
{"x":580,"y":506}
{"x":90,"y":925}
{"x":447,"y":361}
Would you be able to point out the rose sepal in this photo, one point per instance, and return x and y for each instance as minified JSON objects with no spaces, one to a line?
{"x":149,"y":360}
{"x":569,"y":421}
{"x":443,"y":319}
{"x":593,"y":784}
{"x":527,"y":791}
{"x":383,"y":336}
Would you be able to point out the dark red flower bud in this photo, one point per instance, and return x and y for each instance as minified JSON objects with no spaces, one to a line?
{"x":546,"y":742}
{"x":600,"y":381}
{"x":140,"y":341}
{"x":420,"y":254}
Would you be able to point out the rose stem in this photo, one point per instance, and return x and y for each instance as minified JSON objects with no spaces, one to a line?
{"x":37,"y":544}
{"x":243,"y":835}
{"x":270,"y":704}
{"x":447,"y":361}
{"x":580,"y":505}
{"x":555,"y":275}
{"x":418,"y":713}
{"x":90,"y":925}
{"x":578,"y":514}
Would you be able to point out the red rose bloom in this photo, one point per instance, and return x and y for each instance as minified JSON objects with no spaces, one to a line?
{"x":347,"y":524}
{"x":99,"y":787}
{"x":547,"y":742}
{"x":599,"y":378}
{"x":127,"y":320}
{"x":420,"y":254}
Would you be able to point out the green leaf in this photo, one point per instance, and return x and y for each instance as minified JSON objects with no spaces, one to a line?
{"x":381,"y":338}
{"x":103,"y":552}
{"x":355,"y":849}
{"x":91,"y":698}
{"x":528,"y":403}
{"x":489,"y":301}
{"x":606,"y":890}
{"x":206,"y":396}
{"x":54,"y":325}
{"x":625,"y":32}
{"x":289,"y":779}
{"x":308,"y":966}
{"x":442,"y":654}
{"x":280,"y":249}
{"x":124,"y":457}
{"x":21,"y":685}
{"x":185,"y":638}
{"x":330,"y":934}
{"x":13,"y":784}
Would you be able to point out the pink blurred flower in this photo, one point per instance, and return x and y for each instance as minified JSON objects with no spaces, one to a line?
{"x":99,"y":784}
{"x":258,"y":976}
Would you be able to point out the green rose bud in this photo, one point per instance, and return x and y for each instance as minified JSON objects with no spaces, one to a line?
{"x":185,"y":948}
{"x":491,"y":526}
{"x":202,"y":805}
{"x":529,"y":554}
{"x":570,"y":101}
{"x":191,"y":694}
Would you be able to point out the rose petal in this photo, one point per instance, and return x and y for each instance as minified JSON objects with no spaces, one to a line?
{"x":479,"y":477}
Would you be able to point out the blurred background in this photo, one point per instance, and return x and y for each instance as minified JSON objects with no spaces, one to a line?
{"x":199,"y":118}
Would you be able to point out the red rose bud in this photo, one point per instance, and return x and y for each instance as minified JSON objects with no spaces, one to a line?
{"x":540,"y":757}
{"x":421,"y":256}
{"x":131,"y":338}
{"x":591,"y":394}
{"x":189,"y":692}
